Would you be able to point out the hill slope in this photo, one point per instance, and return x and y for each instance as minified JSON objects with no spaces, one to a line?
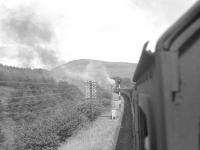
{"x":121,"y":69}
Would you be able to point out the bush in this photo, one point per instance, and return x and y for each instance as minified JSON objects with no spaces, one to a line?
{"x":105,"y":102}
{"x":46,"y":134}
{"x":36,"y":137}
{"x":91,"y":109}
{"x":2,"y":138}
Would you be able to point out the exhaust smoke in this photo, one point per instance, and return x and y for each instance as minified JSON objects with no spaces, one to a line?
{"x":94,"y":71}
{"x":29,"y":36}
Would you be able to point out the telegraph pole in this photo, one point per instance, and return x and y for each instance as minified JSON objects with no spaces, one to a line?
{"x":91,"y":93}
{"x":119,"y":81}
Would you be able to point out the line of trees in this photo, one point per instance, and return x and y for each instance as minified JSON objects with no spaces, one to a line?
{"x":15,"y":76}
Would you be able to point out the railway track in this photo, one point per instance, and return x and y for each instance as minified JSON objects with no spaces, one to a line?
{"x":125,"y":138}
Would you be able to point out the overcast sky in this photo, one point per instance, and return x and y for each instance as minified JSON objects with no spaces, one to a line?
{"x":109,"y":30}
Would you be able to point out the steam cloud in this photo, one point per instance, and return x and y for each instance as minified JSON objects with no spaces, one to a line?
{"x":94,"y":71}
{"x":30,"y":36}
{"x":97,"y":72}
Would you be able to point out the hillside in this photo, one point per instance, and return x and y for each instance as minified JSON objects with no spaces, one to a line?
{"x":37,"y":112}
{"x":114,"y":69}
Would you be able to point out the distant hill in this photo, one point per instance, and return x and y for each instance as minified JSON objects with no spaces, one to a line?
{"x":120,"y":69}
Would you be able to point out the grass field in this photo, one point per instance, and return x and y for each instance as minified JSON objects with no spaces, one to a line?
{"x":99,"y":135}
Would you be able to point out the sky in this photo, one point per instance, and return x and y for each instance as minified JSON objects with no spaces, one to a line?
{"x":46,"y":33}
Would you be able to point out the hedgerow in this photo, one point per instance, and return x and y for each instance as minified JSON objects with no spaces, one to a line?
{"x":49,"y":132}
{"x":91,"y":109}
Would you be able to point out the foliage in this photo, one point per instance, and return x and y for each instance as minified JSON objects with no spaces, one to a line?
{"x":11,"y":76}
{"x":105,"y":102}
{"x":26,"y":105}
{"x":2,"y":138}
{"x":91,"y":109}
{"x":43,"y":112}
{"x":47,"y":133}
{"x":70,"y":91}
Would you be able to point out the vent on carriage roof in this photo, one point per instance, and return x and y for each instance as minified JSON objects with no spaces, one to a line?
{"x":146,"y":60}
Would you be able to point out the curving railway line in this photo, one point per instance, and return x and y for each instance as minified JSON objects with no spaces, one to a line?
{"x":125,"y":137}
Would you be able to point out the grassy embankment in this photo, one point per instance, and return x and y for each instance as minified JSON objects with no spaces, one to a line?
{"x":35,"y":116}
{"x":100,"y":135}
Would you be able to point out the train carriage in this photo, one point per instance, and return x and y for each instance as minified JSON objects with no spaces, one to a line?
{"x":167,"y":98}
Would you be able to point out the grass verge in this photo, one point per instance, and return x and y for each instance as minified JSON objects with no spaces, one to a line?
{"x":100,"y":135}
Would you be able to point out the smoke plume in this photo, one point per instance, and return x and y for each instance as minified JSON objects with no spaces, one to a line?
{"x":30,"y":35}
{"x":97,"y":72}
{"x":94,"y":71}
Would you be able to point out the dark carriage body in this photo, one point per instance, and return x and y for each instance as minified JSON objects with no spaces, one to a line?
{"x":168,"y":88}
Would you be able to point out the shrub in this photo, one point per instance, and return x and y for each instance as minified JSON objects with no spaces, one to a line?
{"x":71,"y":91}
{"x":36,"y":137}
{"x":46,"y":134}
{"x":66,"y":128}
{"x":91,"y":109}
{"x":105,"y":102}
{"x":2,"y":138}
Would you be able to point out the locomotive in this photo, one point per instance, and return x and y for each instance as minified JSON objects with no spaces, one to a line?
{"x":166,"y":98}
